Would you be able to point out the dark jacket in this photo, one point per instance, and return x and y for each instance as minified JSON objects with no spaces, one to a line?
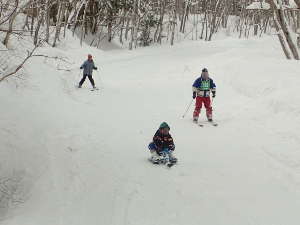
{"x":88,"y":66}
{"x":163,"y":141}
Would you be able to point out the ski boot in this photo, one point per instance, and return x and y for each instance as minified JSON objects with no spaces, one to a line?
{"x":155,"y":158}
{"x":173,"y":160}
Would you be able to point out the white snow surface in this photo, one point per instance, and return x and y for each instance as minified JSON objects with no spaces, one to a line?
{"x":75,"y":157}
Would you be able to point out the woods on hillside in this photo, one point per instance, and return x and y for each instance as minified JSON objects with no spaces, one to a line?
{"x":140,"y":23}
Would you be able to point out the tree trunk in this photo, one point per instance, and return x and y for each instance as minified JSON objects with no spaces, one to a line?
{"x":283,"y":26}
{"x":281,"y":40}
{"x":83,"y":30}
{"x":298,"y":3}
{"x":76,"y":14}
{"x":173,"y":25}
{"x":40,"y":21}
{"x":10,"y":28}
{"x":161,"y":21}
{"x":58,"y":22}
{"x":134,"y":24}
{"x":48,"y":7}
{"x":32,"y":19}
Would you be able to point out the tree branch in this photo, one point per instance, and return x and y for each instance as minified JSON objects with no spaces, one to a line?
{"x":30,"y":54}
{"x":12,"y":13}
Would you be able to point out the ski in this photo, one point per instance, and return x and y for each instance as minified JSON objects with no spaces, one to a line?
{"x":150,"y":160}
{"x":201,"y":124}
{"x":213,"y":123}
{"x":95,"y":89}
{"x":169,"y":164}
{"x":198,"y":123}
{"x":92,"y":89}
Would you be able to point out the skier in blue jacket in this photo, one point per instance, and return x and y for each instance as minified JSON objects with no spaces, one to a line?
{"x":202,"y":88}
{"x":88,"y":66}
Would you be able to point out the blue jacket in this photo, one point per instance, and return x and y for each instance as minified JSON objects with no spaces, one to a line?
{"x":197,"y":87}
{"x":88,"y":66}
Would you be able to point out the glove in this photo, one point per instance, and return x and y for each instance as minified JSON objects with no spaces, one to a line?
{"x":213,"y":94}
{"x":194,"y":95}
{"x":81,"y":68}
{"x":95,"y":68}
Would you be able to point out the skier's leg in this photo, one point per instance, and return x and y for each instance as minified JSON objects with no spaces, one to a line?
{"x":172,"y":158}
{"x":153,"y":151}
{"x":82,"y":80}
{"x":91,"y":80}
{"x":164,"y":155}
{"x":154,"y":156}
{"x":197,"y":108}
{"x":207,"y":104}
{"x":169,"y":157}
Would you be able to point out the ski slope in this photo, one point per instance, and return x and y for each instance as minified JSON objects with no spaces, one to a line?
{"x":77,"y":157}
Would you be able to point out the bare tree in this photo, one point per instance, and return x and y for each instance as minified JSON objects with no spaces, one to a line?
{"x":284,"y":31}
{"x":11,"y":18}
{"x":17,"y":68}
{"x":61,"y":13}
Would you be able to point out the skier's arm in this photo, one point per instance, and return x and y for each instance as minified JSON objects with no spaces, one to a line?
{"x":195,"y":88}
{"x":213,"y":94}
{"x":157,"y":140}
{"x":213,"y":88}
{"x":171,"y":143}
{"x":194,"y":94}
{"x":196,"y":85}
{"x":212,"y":85}
{"x":94,"y":67}
{"x":83,"y":65}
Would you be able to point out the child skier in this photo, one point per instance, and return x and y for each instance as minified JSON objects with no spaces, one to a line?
{"x":88,"y":66}
{"x":201,"y":91}
{"x":162,"y":147}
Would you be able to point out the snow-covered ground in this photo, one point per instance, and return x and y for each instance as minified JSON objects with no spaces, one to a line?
{"x":75,"y":157}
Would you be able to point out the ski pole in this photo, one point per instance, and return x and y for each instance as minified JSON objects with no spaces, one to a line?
{"x":212,"y":101}
{"x":186,"y":111}
{"x":78,"y":76}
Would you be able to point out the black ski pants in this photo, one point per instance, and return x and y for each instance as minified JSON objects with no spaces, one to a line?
{"x":90,"y":78}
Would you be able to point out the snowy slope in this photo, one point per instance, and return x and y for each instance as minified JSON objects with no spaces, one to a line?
{"x":80,"y":157}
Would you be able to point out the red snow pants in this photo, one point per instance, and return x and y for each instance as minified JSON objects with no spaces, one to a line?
{"x":207,"y":103}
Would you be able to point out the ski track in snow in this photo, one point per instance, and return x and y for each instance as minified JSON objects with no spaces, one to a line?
{"x":83,"y":154}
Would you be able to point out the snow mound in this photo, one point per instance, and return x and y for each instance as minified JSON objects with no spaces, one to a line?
{"x":74,"y":156}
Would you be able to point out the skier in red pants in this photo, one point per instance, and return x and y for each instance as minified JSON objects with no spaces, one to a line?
{"x":201,"y":92}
